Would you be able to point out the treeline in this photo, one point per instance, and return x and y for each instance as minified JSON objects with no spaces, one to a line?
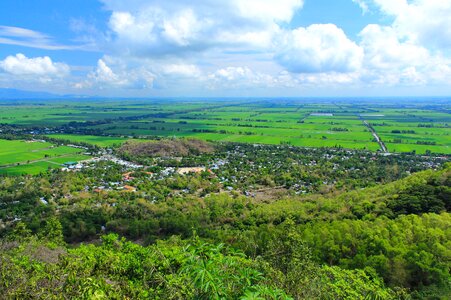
{"x":403,"y":131}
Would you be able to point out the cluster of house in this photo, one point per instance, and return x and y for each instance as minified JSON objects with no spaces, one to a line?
{"x":114,"y":159}
{"x":74,"y":166}
{"x":78,"y":147}
{"x":128,"y":178}
{"x":117,"y":186}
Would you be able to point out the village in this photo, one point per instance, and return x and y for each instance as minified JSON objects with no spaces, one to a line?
{"x":250,"y":168}
{"x":128,"y":168}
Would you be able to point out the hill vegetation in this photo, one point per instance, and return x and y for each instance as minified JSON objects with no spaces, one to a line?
{"x":166,"y":148}
{"x":43,"y":266}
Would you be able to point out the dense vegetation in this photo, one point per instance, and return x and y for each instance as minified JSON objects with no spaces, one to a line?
{"x":257,"y":222}
{"x":43,"y":267}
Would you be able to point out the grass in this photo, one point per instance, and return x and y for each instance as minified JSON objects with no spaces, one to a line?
{"x":101,"y":141}
{"x":41,"y":166}
{"x":17,"y":151}
{"x":31,"y":169}
{"x":24,"y":157}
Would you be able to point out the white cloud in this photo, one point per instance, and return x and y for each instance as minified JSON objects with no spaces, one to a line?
{"x":425,"y":22}
{"x":104,"y":74}
{"x":384,"y":50}
{"x":412,"y":50}
{"x":182,"y":28}
{"x":239,"y":77}
{"x":182,"y":70}
{"x":152,"y":32}
{"x":241,"y":45}
{"x":153,"y":28}
{"x":392,"y":7}
{"x":103,"y":77}
{"x":267,"y":10}
{"x":245,"y":78}
{"x":328,"y":79}
{"x":363,"y":5}
{"x":233,"y":73}
{"x":318,"y":48}
{"x":39,"y":66}
{"x":261,"y":11}
{"x":19,"y":32}
{"x":29,"y":38}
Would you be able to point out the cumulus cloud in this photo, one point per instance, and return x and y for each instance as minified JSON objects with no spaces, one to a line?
{"x":20,"y":65}
{"x":267,"y":10}
{"x":384,"y":50}
{"x":104,"y":74}
{"x":426,"y":22}
{"x":181,"y":70}
{"x":318,"y":48}
{"x":239,"y":77}
{"x":209,"y":31}
{"x":103,"y":77}
{"x":152,"y":28}
{"x":233,"y":73}
{"x":244,"y":77}
{"x":261,"y":11}
{"x":410,"y":51}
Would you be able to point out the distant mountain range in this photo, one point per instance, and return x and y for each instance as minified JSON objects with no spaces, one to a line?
{"x":14,"y":94}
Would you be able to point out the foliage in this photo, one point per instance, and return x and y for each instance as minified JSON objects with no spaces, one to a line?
{"x":119,"y":269}
{"x":410,"y":251}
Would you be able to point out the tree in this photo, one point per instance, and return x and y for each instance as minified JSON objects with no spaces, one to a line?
{"x":53,"y":231}
{"x":20,"y":232}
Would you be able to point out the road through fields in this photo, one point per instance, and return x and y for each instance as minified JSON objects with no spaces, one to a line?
{"x":376,"y":136}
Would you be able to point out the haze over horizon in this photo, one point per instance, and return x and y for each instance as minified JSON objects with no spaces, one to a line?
{"x":249,"y":48}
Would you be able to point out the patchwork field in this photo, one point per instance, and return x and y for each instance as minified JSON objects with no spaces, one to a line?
{"x":254,"y":124}
{"x":413,"y":130}
{"x":401,"y":125}
{"x":26,"y":157}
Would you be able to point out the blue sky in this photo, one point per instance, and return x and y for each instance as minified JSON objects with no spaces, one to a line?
{"x":150,"y":48}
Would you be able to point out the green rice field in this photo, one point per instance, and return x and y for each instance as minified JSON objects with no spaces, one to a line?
{"x":402,"y":125}
{"x":101,"y":141}
{"x":33,"y":157}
